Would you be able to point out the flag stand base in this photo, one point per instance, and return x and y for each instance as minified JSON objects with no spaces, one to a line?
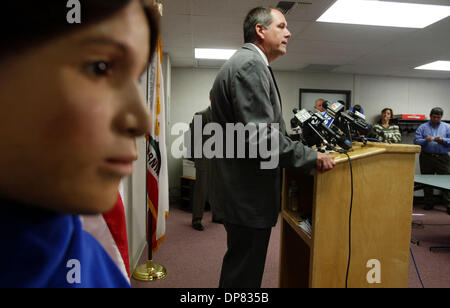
{"x":149,"y":271}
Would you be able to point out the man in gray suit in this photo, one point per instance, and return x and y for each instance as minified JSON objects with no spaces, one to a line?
{"x":247,"y":197}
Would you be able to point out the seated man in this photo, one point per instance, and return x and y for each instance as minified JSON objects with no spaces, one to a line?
{"x":434,"y":138}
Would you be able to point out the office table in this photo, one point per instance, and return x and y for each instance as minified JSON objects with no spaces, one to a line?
{"x":438,"y":181}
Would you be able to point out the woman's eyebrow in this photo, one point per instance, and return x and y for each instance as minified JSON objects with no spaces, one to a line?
{"x":111,"y":42}
{"x":106,"y":41}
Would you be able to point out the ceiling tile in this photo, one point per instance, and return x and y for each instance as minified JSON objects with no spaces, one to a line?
{"x":187,"y":24}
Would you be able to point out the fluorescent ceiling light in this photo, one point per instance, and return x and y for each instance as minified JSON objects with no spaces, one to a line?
{"x":383,"y":13}
{"x":217,"y":54}
{"x":435,"y":66}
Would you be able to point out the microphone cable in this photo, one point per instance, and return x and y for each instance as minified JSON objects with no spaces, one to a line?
{"x":417,"y":270}
{"x":350,"y":232}
{"x":349,"y":222}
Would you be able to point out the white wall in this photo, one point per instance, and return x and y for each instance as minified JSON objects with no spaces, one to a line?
{"x":289,"y":84}
{"x":135,"y":206}
{"x":167,"y":73}
{"x":190,"y":93}
{"x":403,"y":95}
{"x":134,"y":198}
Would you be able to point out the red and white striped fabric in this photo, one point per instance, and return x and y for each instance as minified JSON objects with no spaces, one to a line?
{"x":157,"y":174}
{"x":110,"y":230}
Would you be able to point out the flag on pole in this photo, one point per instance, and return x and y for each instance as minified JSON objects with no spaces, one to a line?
{"x":110,"y":230}
{"x":157,"y":176}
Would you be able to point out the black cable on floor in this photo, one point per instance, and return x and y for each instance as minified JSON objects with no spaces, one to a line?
{"x":417,"y":270}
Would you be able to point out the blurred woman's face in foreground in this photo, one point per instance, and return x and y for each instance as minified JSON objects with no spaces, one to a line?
{"x":70,"y":111}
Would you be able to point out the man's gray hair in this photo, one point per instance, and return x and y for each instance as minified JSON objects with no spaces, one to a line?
{"x":258,"y":15}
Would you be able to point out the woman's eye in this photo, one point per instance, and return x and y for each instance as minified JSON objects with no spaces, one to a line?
{"x":99,"y":68}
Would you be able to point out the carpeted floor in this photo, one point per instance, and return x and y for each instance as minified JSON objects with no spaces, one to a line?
{"x":193,"y":259}
{"x":430,"y":228}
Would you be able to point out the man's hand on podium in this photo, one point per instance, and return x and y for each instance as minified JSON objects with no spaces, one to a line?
{"x":324,"y":162}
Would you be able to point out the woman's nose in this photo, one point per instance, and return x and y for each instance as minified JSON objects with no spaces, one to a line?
{"x":134,"y":117}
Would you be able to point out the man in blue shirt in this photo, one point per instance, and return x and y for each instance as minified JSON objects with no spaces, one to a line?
{"x":434,"y":138}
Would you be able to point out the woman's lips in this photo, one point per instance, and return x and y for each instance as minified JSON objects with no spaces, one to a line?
{"x":122,"y":166}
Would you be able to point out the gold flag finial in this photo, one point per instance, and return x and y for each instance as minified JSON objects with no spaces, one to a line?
{"x":156,"y":3}
{"x":159,"y":6}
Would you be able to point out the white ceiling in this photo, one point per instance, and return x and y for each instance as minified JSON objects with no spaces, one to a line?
{"x":337,"y":48}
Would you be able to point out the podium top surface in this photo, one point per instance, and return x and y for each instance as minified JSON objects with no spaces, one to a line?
{"x":373,"y":148}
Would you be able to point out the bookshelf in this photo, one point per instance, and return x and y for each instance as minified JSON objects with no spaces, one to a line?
{"x":187,"y":185}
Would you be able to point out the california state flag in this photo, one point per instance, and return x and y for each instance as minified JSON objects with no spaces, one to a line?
{"x":110,"y":230}
{"x":157,"y":176}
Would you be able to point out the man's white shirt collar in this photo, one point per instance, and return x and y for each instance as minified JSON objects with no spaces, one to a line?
{"x":262,"y":54}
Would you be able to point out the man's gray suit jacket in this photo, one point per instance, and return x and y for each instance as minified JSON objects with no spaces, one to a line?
{"x":245,"y":92}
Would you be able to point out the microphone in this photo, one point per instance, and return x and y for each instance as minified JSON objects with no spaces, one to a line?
{"x":355,"y":120}
{"x":334,"y":137}
{"x":333,"y":109}
{"x":294,"y":123}
{"x":311,"y":128}
{"x":316,"y":131}
{"x":296,"y":130}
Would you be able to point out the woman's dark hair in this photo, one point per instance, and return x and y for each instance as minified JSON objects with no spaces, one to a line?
{"x":26,"y":23}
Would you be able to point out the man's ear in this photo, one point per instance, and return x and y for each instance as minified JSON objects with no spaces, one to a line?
{"x":260,"y":31}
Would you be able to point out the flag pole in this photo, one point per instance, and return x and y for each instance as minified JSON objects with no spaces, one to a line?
{"x":149,"y":271}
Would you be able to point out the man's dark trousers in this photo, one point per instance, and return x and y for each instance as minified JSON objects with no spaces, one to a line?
{"x":200,"y":193}
{"x":434,"y":164}
{"x":243,"y":263}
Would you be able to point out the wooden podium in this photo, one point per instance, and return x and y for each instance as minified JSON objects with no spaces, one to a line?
{"x":383,"y":187}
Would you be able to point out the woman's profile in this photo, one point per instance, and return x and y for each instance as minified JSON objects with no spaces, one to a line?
{"x":71,"y":110}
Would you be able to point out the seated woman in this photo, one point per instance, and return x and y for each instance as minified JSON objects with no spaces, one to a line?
{"x":71,"y":110}
{"x":386,"y":132}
